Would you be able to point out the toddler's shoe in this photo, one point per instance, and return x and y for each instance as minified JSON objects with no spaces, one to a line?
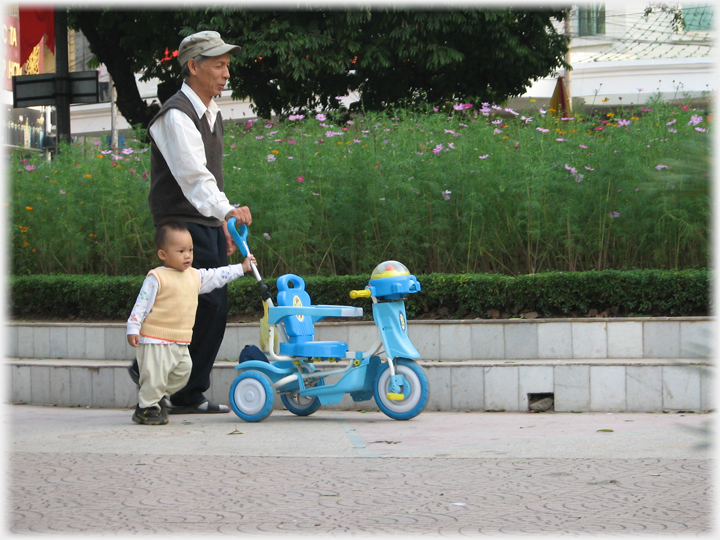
{"x":150,"y":416}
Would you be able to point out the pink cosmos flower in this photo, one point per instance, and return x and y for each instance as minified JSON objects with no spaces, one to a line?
{"x":300,"y":178}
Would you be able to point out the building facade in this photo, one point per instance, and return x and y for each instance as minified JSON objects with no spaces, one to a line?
{"x":625,"y":56}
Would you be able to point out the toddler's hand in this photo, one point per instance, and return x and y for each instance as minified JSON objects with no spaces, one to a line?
{"x":133,"y":340}
{"x":247,"y":268}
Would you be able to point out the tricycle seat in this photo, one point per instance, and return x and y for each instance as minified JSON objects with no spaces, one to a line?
{"x":297,"y":314}
{"x":315,"y":349}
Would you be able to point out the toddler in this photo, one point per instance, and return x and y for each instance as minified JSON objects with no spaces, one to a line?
{"x":161,"y":322}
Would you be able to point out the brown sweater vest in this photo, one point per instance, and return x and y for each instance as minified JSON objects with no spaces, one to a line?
{"x":165,"y":198}
{"x":172,"y":316}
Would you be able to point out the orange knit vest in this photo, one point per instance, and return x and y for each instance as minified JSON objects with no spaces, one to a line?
{"x":172,"y":317}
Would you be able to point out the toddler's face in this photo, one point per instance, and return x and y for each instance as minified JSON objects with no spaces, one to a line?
{"x":178,"y":251}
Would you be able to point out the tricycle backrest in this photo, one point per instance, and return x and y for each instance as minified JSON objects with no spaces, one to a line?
{"x":291,"y":292}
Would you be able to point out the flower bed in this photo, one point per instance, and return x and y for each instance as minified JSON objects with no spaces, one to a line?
{"x":471,"y":189}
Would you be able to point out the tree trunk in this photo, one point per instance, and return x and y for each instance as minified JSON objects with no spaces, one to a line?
{"x":104,"y":45}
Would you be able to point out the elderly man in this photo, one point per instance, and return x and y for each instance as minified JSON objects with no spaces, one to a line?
{"x":187,"y":185}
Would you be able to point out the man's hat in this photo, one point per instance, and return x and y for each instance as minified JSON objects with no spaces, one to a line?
{"x":207,"y":43}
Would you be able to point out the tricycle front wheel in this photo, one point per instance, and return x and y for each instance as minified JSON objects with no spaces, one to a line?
{"x":416,"y":390}
{"x":252,"y":396}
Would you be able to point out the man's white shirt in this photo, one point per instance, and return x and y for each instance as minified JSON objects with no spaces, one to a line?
{"x":180,"y":143}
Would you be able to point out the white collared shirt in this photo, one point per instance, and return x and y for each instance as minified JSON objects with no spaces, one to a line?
{"x":180,"y":143}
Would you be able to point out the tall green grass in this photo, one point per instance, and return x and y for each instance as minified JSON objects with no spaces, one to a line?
{"x":481,"y":189}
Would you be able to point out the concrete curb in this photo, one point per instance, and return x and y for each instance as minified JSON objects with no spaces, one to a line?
{"x":593,"y":385}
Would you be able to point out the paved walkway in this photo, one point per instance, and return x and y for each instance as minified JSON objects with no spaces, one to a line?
{"x":80,"y":471}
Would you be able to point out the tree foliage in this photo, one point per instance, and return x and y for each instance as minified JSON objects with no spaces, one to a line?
{"x":130,"y":42}
{"x":299,"y":60}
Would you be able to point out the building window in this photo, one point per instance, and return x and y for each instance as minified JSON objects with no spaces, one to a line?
{"x":698,"y":17}
{"x":591,"y":19}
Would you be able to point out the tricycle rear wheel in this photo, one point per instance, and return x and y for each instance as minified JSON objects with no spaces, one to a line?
{"x":300,"y":405}
{"x":252,"y":396}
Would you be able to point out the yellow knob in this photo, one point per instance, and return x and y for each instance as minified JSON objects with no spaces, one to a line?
{"x":365,"y":293}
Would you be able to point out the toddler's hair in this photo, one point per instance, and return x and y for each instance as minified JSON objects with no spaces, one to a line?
{"x":162,"y":230}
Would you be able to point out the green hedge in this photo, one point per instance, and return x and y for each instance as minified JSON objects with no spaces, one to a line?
{"x":557,"y":294}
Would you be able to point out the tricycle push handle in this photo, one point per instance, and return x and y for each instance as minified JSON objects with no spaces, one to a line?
{"x":240,"y":238}
{"x":364,"y":293}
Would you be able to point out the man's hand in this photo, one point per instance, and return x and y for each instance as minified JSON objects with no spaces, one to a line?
{"x":241,"y":214}
{"x":243,"y":217}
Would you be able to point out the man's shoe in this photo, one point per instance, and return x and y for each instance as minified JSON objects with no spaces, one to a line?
{"x":150,"y":416}
{"x":134,"y":375}
{"x":204,"y":407}
{"x":165,"y":404}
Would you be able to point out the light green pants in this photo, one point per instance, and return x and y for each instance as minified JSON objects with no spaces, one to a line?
{"x":164,"y":369}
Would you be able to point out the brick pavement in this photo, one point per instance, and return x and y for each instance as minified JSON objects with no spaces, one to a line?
{"x":88,"y":471}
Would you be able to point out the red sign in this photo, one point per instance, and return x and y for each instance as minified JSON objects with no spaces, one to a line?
{"x":10,"y":62}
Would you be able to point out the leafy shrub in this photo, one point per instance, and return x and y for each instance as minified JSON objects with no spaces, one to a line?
{"x":554,"y":294}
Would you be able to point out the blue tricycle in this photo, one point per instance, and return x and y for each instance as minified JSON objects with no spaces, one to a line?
{"x":386,"y":370}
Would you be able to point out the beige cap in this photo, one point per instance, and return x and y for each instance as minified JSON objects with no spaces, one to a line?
{"x":207,"y":43}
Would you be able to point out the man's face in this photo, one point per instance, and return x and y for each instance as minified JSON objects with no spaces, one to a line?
{"x":209,"y":78}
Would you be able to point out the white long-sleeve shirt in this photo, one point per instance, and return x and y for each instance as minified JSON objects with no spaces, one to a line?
{"x":180,"y":143}
{"x":210,"y":279}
